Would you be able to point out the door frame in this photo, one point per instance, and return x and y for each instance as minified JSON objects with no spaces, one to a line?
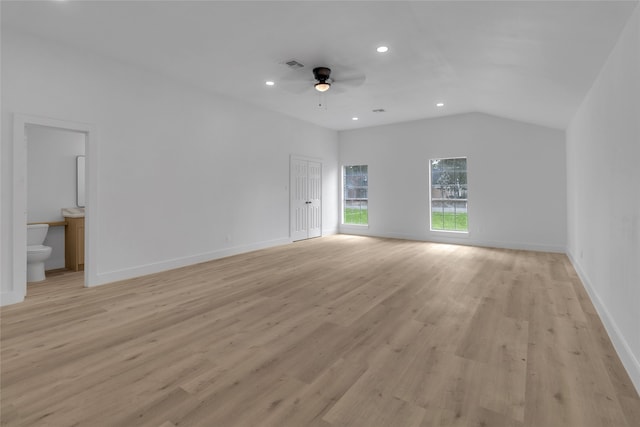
{"x":19,"y":242}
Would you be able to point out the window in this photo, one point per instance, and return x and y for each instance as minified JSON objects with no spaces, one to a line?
{"x":449,"y":194}
{"x":355,"y":200}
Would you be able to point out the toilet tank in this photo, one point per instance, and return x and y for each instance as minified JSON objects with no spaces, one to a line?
{"x":36,"y":234}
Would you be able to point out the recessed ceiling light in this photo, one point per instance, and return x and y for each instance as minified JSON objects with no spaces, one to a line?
{"x":269,"y":83}
{"x":354,"y":118}
{"x":440,"y":104}
{"x":382,"y":49}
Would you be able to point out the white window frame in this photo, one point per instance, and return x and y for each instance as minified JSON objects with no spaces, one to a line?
{"x":342,"y":206}
{"x":461,"y":232}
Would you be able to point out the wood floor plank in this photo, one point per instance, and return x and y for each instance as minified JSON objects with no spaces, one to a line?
{"x":370,"y":401}
{"x":310,"y":404}
{"x":336,"y":331}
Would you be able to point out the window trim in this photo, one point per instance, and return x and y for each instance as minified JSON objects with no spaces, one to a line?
{"x":431,"y":229}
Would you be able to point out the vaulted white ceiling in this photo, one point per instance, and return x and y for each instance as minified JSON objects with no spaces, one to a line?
{"x":530,"y":61}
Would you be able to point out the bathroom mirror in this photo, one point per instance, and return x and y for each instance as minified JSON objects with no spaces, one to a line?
{"x":80,"y":181}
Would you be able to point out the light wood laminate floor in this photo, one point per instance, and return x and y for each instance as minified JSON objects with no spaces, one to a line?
{"x":336,"y":331}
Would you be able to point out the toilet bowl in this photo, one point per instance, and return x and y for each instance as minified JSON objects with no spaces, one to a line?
{"x":37,"y":253}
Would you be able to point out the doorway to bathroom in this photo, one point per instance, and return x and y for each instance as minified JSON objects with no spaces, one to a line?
{"x":54,"y":183}
{"x":55,"y":197}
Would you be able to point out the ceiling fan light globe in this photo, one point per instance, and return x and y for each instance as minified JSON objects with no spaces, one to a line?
{"x":322,"y":86}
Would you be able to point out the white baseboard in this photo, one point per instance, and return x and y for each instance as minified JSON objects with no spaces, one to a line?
{"x":8,"y":298}
{"x":629,"y":360}
{"x":455,"y":239}
{"x":329,"y":231}
{"x":517,"y":246}
{"x":143,"y":270}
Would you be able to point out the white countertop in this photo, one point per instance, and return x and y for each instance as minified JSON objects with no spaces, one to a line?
{"x":73,"y":212}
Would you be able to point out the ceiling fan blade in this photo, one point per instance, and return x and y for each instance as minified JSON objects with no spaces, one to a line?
{"x":301,"y":74}
{"x":296,"y":86}
{"x":296,"y":81}
{"x":349,"y":79}
{"x":337,"y":89}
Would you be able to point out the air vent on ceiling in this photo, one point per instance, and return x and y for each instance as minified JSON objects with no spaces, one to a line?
{"x":293,"y":64}
{"x":378,"y":110}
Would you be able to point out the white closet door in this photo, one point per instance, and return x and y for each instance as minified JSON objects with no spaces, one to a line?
{"x":306,"y":199}
{"x":314,"y":197}
{"x":299,"y":188}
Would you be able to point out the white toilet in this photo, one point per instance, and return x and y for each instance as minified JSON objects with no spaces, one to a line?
{"x":37,"y":253}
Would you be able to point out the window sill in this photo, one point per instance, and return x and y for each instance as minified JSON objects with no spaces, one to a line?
{"x":459,"y":233}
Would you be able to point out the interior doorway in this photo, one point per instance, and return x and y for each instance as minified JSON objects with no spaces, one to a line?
{"x":22,"y":125}
{"x":55,"y":192}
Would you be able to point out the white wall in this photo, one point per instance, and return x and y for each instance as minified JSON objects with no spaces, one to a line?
{"x":516,"y":178}
{"x":603,"y":187}
{"x":51,"y":181}
{"x":183,"y":176}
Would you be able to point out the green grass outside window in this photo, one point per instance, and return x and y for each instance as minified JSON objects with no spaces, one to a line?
{"x":356,"y":216}
{"x":449,"y":221}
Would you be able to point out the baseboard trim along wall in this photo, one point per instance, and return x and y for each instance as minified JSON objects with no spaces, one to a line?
{"x":8,"y":298}
{"x":629,"y":360}
{"x":452,"y":240}
{"x":158,"y":267}
{"x":329,"y":231}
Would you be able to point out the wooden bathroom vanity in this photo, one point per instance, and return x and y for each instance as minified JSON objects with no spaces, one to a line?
{"x":74,"y":243}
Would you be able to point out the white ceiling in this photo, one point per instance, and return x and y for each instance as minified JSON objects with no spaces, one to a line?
{"x":530,"y":61}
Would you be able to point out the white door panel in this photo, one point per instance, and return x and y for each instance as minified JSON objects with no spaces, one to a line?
{"x":315,"y":199}
{"x":306,"y":199}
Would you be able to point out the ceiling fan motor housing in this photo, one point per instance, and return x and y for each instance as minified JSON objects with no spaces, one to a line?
{"x":321,"y":74}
